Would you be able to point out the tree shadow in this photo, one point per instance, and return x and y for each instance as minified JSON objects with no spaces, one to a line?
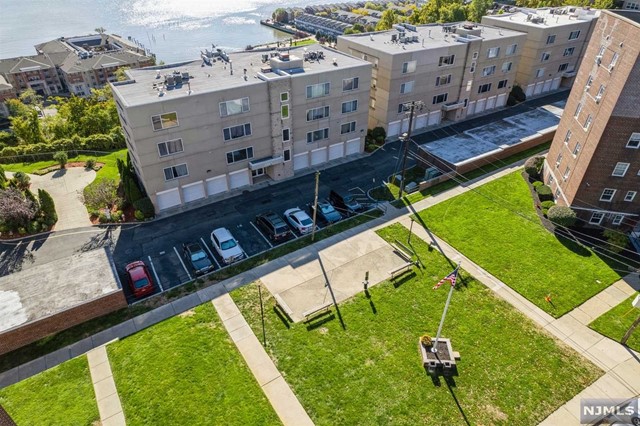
{"x":13,"y":256}
{"x":571,"y":243}
{"x":320,"y":320}
{"x":406,"y":277}
{"x":59,"y":173}
{"x":100,"y":240}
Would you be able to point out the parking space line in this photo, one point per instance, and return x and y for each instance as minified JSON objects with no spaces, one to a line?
{"x":210,"y":252}
{"x":182,"y":263}
{"x":263,"y":237}
{"x":155,"y":274}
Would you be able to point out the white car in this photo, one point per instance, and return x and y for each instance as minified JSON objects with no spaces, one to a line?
{"x":299,"y":220}
{"x":226,"y":246}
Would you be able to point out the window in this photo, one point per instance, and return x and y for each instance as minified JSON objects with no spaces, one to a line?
{"x":545,"y":56}
{"x":472,"y":68}
{"x":574,"y":35}
{"x":236,"y":132}
{"x":502,"y":84}
{"x":620,"y":169}
{"x":589,"y":82}
{"x":287,"y":155}
{"x":175,"y":172}
{"x":240,"y":155}
{"x":484,"y":88}
{"x":614,"y":61}
{"x":551,"y":39}
{"x":550,"y":179}
{"x":567,"y":171}
{"x":317,"y":135}
{"x":569,"y":51}
{"x":443,"y":80}
{"x":403,"y":108}
{"x":558,"y":160}
{"x":348,"y":127}
{"x":284,"y":97}
{"x":318,"y":90}
{"x":631,"y":5}
{"x":540,"y":72}
{"x":170,"y":147}
{"x":487,"y":71}
{"x":557,"y":194}
{"x":438,"y":99}
{"x":630,"y":195}
{"x":284,"y":111}
{"x":408,"y":67}
{"x":634,"y":141}
{"x":607,"y":194}
{"x":257,"y":172}
{"x":596,"y":218}
{"x":567,"y":137}
{"x":578,"y":109}
{"x":350,"y":106}
{"x":233,"y":107}
{"x":350,"y":84}
{"x":406,"y":87}
{"x":446,"y":60}
{"x":576,"y":149}
{"x":317,"y":113}
{"x":475,"y":55}
{"x":587,"y":122}
{"x":511,"y":50}
{"x":563,"y":67}
{"x":600,"y":93}
{"x":493,"y":52}
{"x":286,"y":135}
{"x":506,"y":67}
{"x":165,"y":121}
{"x":617,"y":219}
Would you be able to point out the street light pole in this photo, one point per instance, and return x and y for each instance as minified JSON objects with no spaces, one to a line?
{"x":406,"y":139}
{"x":315,"y":207}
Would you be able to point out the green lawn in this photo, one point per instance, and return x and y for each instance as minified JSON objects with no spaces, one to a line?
{"x":498,"y":228}
{"x":370,"y":372}
{"x":616,"y":322}
{"x":186,"y":370}
{"x":62,"y":395}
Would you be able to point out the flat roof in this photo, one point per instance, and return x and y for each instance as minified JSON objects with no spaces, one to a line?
{"x":216,"y":76}
{"x":633,"y":15}
{"x":551,"y":17}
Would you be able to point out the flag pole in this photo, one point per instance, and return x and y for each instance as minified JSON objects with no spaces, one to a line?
{"x":434,"y":348}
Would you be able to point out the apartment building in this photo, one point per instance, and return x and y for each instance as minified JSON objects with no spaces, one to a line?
{"x":555,"y":43}
{"x":456,"y":70}
{"x":593,"y":164}
{"x":73,"y":65}
{"x":6,"y":92}
{"x":195,"y":130}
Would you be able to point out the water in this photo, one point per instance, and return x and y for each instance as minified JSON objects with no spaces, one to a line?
{"x":175,"y":30}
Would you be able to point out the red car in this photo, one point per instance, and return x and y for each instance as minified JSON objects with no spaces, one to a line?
{"x":139,"y":279}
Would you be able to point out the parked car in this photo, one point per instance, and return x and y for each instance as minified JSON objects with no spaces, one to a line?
{"x":139,"y":279}
{"x":326,"y":212}
{"x":272,"y":225}
{"x":226,"y":246}
{"x":299,"y":220}
{"x":346,"y":203}
{"x":197,"y":257}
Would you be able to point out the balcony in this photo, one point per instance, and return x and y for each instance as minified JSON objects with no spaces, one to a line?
{"x":453,"y":106}
{"x":265,"y":162}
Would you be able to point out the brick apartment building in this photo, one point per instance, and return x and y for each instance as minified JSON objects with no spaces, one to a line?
{"x":593,"y":164}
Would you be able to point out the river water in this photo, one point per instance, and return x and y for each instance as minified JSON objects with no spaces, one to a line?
{"x":175,"y":30}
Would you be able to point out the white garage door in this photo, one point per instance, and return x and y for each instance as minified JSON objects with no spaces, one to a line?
{"x":336,"y":151}
{"x":394,"y":128}
{"x":434,"y":118}
{"x":239,"y":178}
{"x":353,"y":146}
{"x":216,"y":185}
{"x":301,"y":161}
{"x":491,"y":103}
{"x":405,"y":126}
{"x":501,"y":101}
{"x":471,"y":109}
{"x":318,"y":156}
{"x":422,"y":121}
{"x":169,"y":198}
{"x":193,"y":191}
{"x":547,"y":85}
{"x":538,"y":88}
{"x":529,"y":91}
{"x":480,"y":105}
{"x":556,"y":83}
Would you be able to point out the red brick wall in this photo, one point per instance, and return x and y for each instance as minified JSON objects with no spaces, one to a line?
{"x":30,"y":332}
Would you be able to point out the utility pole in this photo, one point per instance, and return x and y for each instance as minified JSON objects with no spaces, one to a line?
{"x":406,"y":139}
{"x":315,"y":207}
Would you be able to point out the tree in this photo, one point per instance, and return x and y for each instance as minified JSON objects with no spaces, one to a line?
{"x":47,"y":206}
{"x":30,"y":97}
{"x":101,"y":194}
{"x":617,"y":241}
{"x":453,"y":12}
{"x":478,"y":8}
{"x":562,"y":216}
{"x":27,"y":128}
{"x":17,"y":108}
{"x":280,"y":15}
{"x":387,"y":20}
{"x":603,"y":4}
{"x":3,"y":178}
{"x":15,"y":210}
{"x":21,"y":180}
{"x":61,"y":157}
{"x":120,"y":74}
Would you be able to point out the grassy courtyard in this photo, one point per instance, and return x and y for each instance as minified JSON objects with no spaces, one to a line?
{"x":370,"y":371}
{"x":186,"y":370}
{"x":62,"y":395}
{"x":497,"y":227}
{"x":615,"y":323}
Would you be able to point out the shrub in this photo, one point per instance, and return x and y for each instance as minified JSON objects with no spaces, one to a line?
{"x":145,"y":206}
{"x":425,"y":339}
{"x":562,"y":216}
{"x":21,"y":180}
{"x":138,"y":215}
{"x":379,"y":134}
{"x":537,"y":184}
{"x":533,"y":166}
{"x":546,"y":205}
{"x":3,"y":177}
{"x":90,"y":163}
{"x":103,"y":218}
{"x":544,"y":193}
{"x":117,"y":216}
{"x":511,"y":101}
{"x":101,"y":194}
{"x":34,"y":227}
{"x":518,"y":93}
{"x":617,"y":241}
{"x":61,"y":157}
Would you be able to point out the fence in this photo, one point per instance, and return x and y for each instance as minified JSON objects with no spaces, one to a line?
{"x":47,"y":156}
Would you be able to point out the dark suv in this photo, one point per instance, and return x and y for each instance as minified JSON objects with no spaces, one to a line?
{"x":346,"y":204}
{"x":272,"y":225}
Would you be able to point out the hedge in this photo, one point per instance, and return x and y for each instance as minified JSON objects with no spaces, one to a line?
{"x":562,"y":216}
{"x":544,"y":193}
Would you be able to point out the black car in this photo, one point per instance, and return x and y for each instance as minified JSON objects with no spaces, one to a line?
{"x":273,"y":225}
{"x":197,"y":257}
{"x":345,"y":204}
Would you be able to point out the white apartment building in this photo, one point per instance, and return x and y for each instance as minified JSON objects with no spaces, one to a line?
{"x":456,"y":70}
{"x":199,"y":129}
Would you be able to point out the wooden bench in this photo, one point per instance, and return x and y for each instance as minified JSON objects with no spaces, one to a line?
{"x":323,"y":307}
{"x":400,"y":270}
{"x":402,"y":251}
{"x":283,"y":306}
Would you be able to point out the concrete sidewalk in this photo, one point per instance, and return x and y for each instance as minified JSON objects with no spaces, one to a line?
{"x":107,"y":398}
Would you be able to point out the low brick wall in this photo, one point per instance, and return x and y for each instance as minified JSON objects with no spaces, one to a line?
{"x":20,"y":336}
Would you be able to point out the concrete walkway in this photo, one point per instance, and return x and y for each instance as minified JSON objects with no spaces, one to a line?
{"x":278,"y":392}
{"x":106,"y":393}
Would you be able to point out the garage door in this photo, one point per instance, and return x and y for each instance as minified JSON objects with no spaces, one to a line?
{"x":353,"y":146}
{"x":405,"y":126}
{"x":480,"y":105}
{"x":216,"y":185}
{"x":394,"y":128}
{"x":529,"y":91}
{"x":318,"y":156}
{"x":538,"y":88}
{"x":336,"y":151}
{"x":547,"y":86}
{"x":491,"y":103}
{"x":422,"y":121}
{"x":434,"y":118}
{"x":471,"y":109}
{"x":193,"y":191}
{"x":301,"y":161}
{"x":239,"y":178}
{"x":169,"y":198}
{"x":501,"y":101}
{"x":556,"y":83}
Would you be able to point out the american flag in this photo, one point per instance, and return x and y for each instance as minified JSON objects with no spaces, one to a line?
{"x":452,"y":277}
